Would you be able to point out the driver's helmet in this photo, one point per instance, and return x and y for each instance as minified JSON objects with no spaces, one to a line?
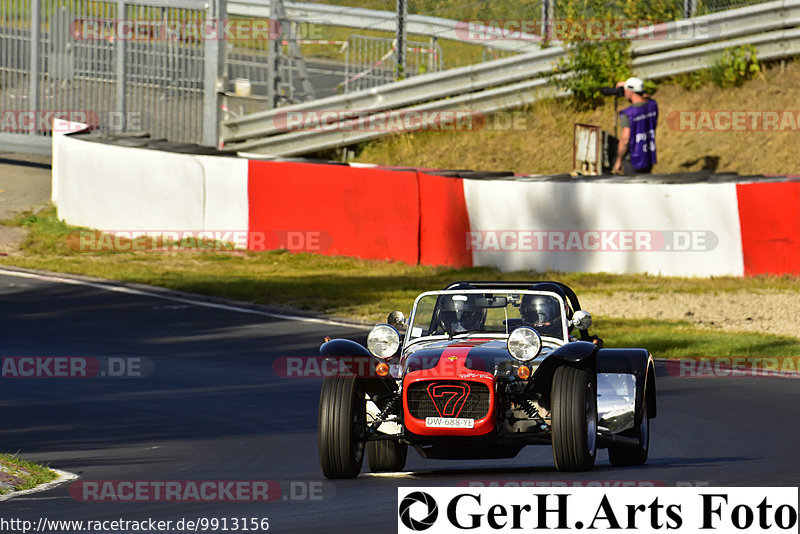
{"x":460,"y":313}
{"x":543,"y":312}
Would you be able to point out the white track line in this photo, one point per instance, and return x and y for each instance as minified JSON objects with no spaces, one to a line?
{"x":111,"y":286}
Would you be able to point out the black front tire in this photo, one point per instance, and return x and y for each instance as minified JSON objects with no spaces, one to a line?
{"x":628,"y":456}
{"x":386,"y":455}
{"x":341,"y":427}
{"x":574,"y":419}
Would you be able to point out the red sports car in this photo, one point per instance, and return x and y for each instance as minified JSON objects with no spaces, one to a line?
{"x":483,"y":369}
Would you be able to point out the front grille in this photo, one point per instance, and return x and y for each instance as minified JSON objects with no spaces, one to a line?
{"x":475,"y":405}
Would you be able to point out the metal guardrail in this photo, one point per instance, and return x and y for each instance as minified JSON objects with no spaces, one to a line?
{"x":487,"y":87}
{"x":370,"y":19}
{"x":416,"y":90}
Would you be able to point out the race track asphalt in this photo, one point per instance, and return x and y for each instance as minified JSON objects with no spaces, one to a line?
{"x":213,"y":408}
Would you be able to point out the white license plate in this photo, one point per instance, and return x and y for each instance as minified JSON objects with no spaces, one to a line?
{"x":449,"y":422}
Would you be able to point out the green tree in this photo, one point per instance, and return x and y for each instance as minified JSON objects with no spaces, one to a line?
{"x":593,"y":61}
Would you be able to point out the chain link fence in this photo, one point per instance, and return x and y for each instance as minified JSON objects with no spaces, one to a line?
{"x":118,"y":66}
{"x":372,"y":61}
{"x":703,"y":7}
{"x":515,"y":9}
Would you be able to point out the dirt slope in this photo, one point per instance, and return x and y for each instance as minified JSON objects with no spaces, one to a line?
{"x":544,"y":144}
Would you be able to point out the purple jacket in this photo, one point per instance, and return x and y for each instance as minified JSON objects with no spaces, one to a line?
{"x":642,"y":144}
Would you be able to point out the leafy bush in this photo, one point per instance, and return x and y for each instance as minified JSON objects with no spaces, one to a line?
{"x":592,"y":65}
{"x":691,"y":81}
{"x":737,"y":65}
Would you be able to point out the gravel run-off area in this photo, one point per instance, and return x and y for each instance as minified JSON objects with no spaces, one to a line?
{"x":764,"y":311}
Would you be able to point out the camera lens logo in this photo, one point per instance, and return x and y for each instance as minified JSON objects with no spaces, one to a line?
{"x":405,"y":511}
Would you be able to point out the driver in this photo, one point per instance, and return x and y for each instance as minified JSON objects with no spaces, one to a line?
{"x":458,"y":314}
{"x":542,"y":312}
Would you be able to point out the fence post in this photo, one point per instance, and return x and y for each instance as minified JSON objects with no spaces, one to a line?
{"x":33,"y":75}
{"x":214,"y":72}
{"x":402,"y":14}
{"x":548,"y":14}
{"x":273,"y":58}
{"x":119,"y":50}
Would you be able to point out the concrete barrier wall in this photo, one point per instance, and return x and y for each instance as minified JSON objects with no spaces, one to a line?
{"x":124,"y":189}
{"x":226,"y":206}
{"x":118,"y":188}
{"x":770,"y":221}
{"x":702,"y":229}
{"x":334,"y":209}
{"x":443,"y":220}
{"x":680,"y":230}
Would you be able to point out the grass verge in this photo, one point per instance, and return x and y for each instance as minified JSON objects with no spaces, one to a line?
{"x":367,"y":290}
{"x":17,"y":474}
{"x":680,"y":339}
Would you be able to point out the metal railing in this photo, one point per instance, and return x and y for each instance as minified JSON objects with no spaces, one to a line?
{"x":102,"y":62}
{"x":371,"y":19}
{"x":511,"y":82}
{"x":372,"y":61}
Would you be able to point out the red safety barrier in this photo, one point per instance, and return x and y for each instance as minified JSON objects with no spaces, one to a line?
{"x":334,"y":209}
{"x":444,"y":222}
{"x":769,"y":215}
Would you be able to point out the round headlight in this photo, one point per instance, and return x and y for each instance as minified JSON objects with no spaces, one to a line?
{"x":524,"y":343}
{"x":383,"y":341}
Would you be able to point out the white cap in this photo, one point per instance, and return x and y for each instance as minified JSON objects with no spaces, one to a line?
{"x":634,"y":84}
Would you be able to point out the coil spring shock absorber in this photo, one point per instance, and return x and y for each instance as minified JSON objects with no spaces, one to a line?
{"x":529,"y":409}
{"x":389,"y":408}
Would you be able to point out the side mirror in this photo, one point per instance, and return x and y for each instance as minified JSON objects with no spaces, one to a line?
{"x":582,"y":320}
{"x":396,"y":318}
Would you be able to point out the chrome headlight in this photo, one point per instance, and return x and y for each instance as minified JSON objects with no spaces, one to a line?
{"x":383,"y":341}
{"x":524,"y":343}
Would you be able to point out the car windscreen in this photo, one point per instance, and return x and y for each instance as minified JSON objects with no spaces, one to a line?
{"x":455,"y":313}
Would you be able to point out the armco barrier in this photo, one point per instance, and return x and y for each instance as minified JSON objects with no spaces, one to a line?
{"x":608,"y":225}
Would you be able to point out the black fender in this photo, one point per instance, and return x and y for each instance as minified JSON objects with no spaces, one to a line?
{"x":343,"y":347}
{"x":359,"y":361}
{"x":638,"y":362}
{"x":580,"y":354}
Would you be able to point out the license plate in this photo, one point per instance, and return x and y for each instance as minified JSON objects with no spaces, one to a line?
{"x":449,"y":422}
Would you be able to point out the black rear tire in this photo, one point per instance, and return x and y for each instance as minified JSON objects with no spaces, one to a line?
{"x":574,"y":419}
{"x":628,"y":456}
{"x":341,"y":427}
{"x":386,"y":455}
